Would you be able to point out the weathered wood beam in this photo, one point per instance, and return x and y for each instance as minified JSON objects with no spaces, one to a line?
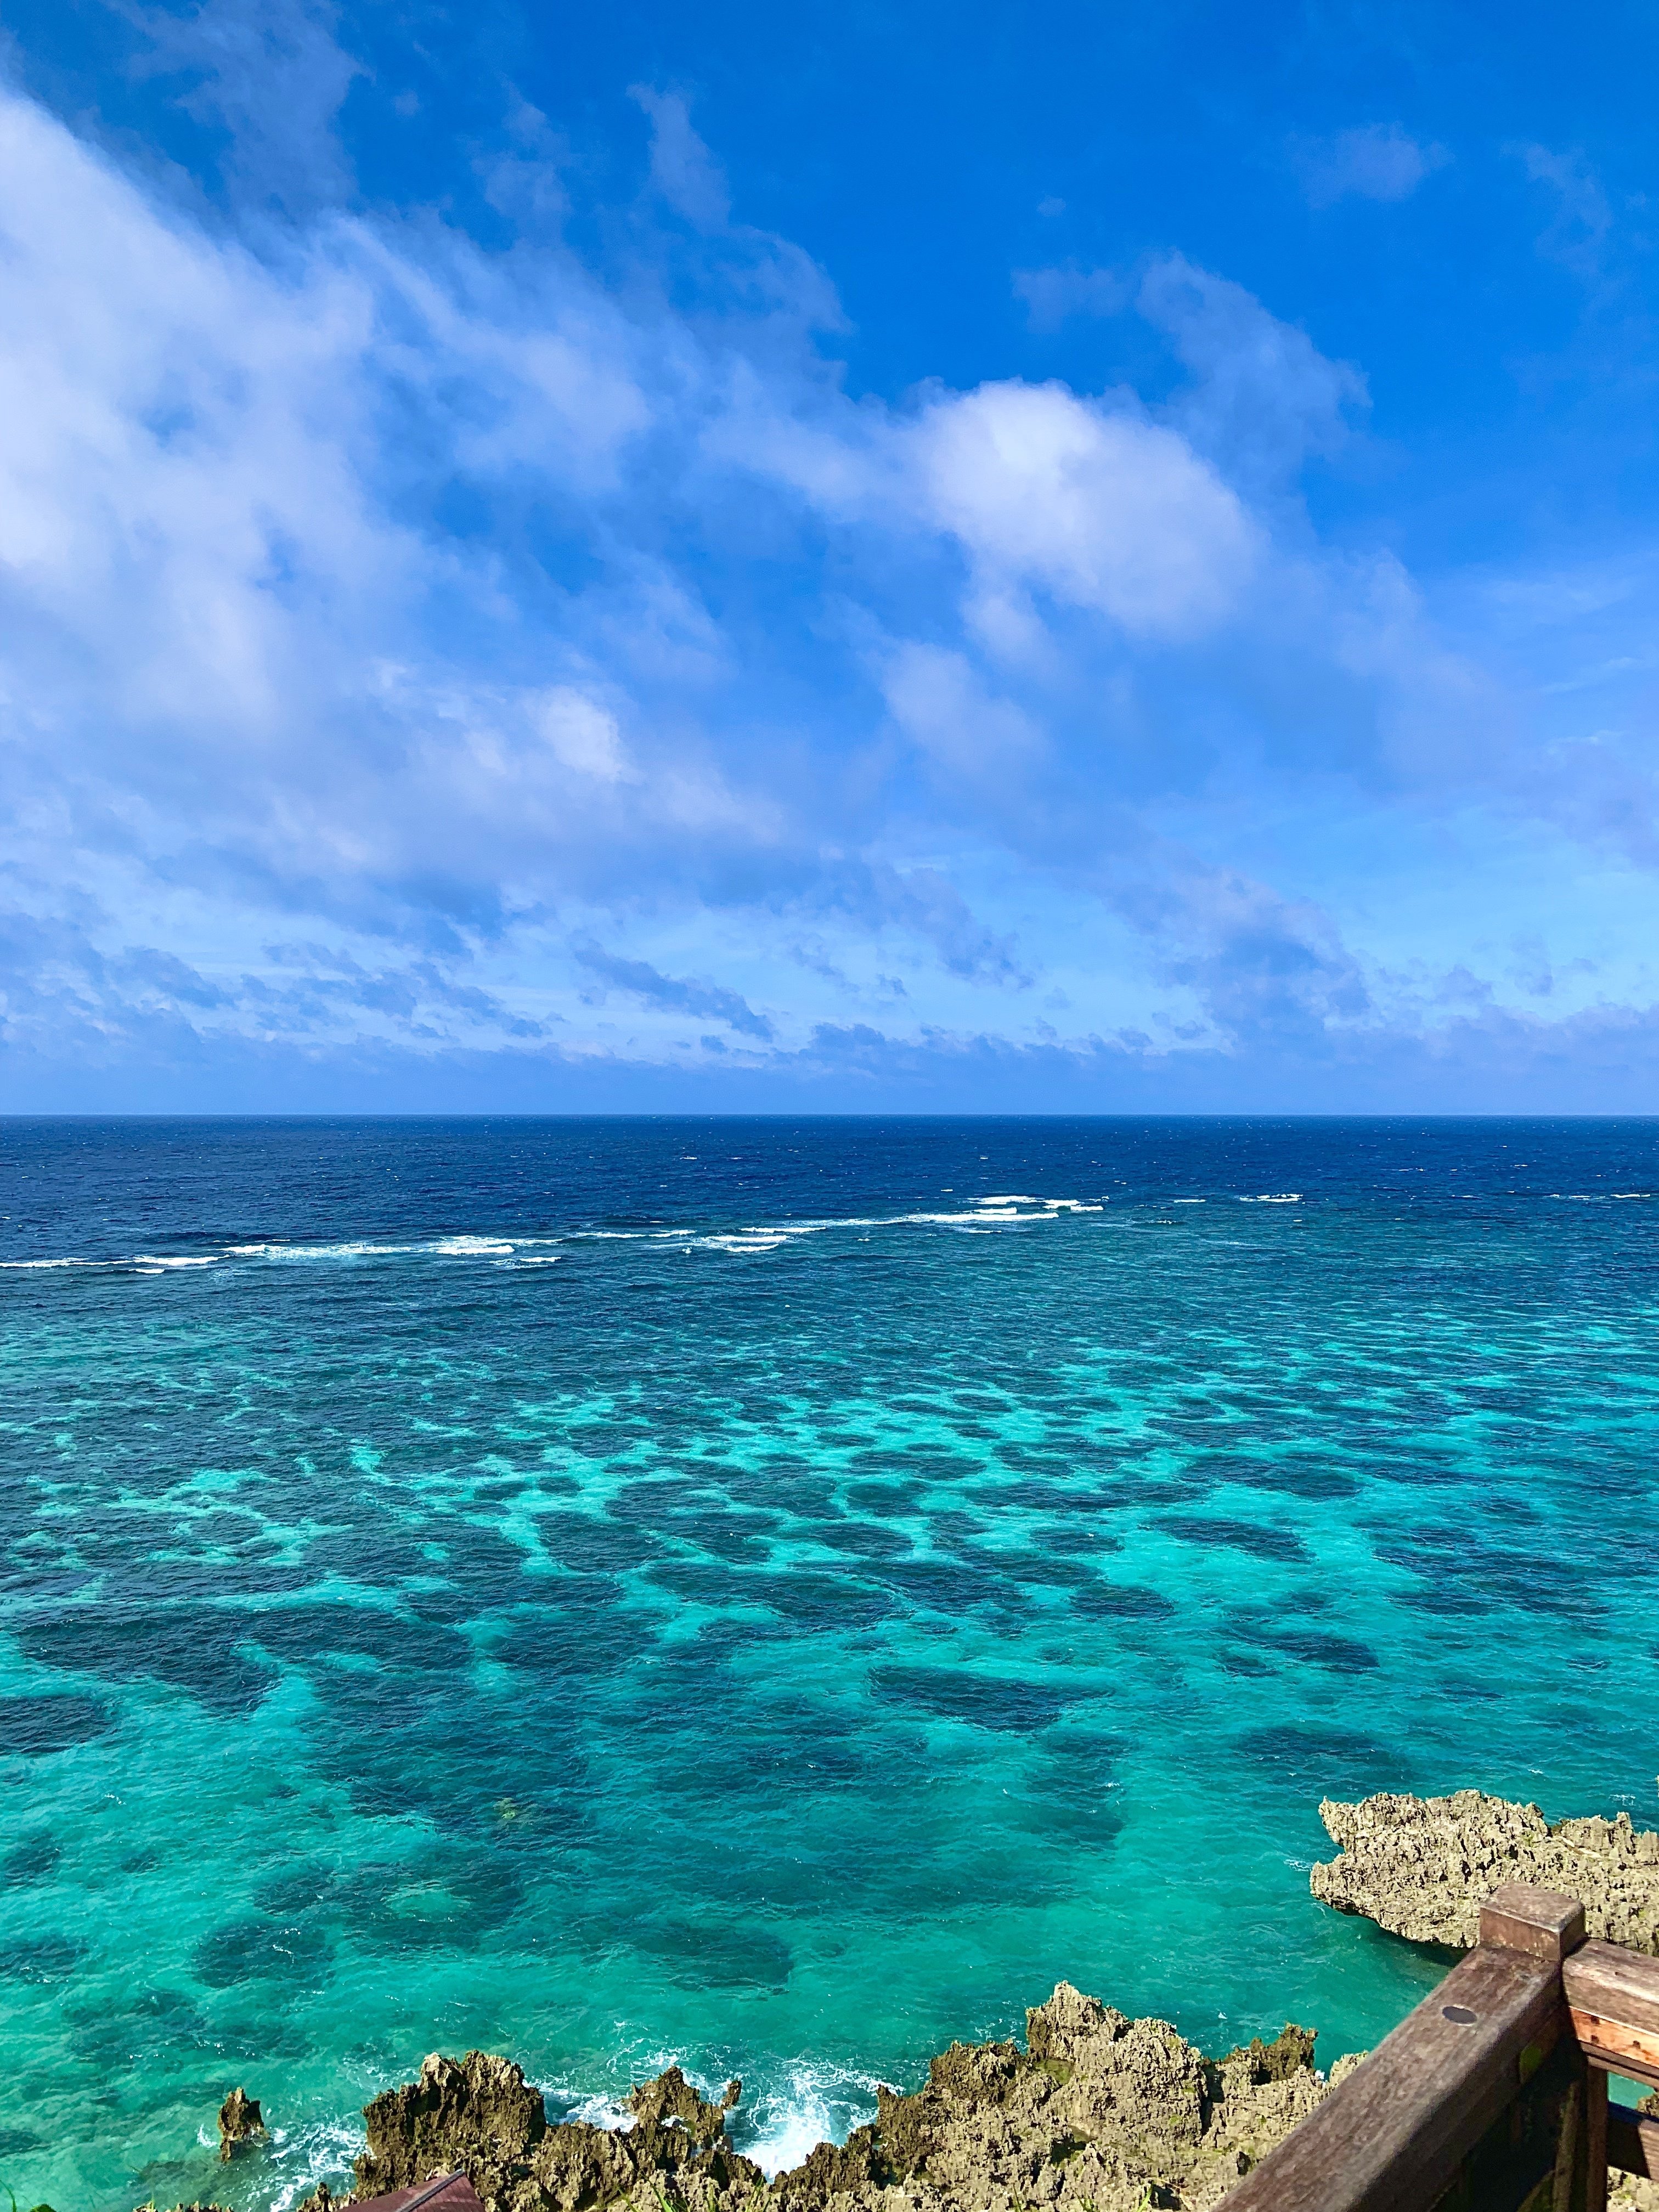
{"x":1613,"y":1999}
{"x":1391,"y":2138}
{"x":1632,"y":2144}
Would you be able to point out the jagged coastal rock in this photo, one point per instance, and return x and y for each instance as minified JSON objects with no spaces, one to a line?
{"x":479,"y":2116}
{"x":239,"y":2124}
{"x":1422,"y":1867}
{"x":1099,"y":2111}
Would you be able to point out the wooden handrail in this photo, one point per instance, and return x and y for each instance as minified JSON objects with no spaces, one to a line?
{"x":1394,"y":2135}
{"x":1501,"y":2071}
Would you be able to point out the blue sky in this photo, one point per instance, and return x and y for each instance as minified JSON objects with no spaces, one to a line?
{"x":996,"y":557}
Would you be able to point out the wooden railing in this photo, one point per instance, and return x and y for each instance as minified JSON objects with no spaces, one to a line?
{"x":1492,"y":2095}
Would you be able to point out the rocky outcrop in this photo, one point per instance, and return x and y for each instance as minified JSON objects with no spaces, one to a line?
{"x":239,"y":2124}
{"x":479,"y":2113}
{"x":1422,"y":1867}
{"x":479,"y":2116}
{"x":1097,"y":2111}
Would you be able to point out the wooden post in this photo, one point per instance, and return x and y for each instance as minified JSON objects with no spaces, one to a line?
{"x":1595,"y":2140}
{"x":1565,"y":2193}
{"x":1632,"y":2144}
{"x":1549,"y":1927}
{"x":1540,"y":1921}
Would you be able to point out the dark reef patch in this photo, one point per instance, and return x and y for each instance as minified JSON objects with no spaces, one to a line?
{"x":951,"y":1693}
{"x":826,"y":1600}
{"x":40,"y":1958}
{"x":31,"y":1727}
{"x":715,"y":1952}
{"x":118,"y":2038}
{"x":189,"y":1648}
{"x":260,"y":1949}
{"x":596,"y":1546}
{"x":945,"y":1586}
{"x":1104,"y":1600}
{"x":1317,"y":1761}
{"x":1482,"y":1575}
{"x":1290,"y":1479}
{"x":1212,"y":1530}
{"x":560,"y":1640}
{"x":1343,"y":1654}
{"x":306,"y":1635}
{"x":737,"y":1547}
{"x":864,"y":1540}
{"x":1066,"y":1536}
{"x":444,"y":1900}
{"x":705,"y":1582}
{"x":31,"y":1859}
{"x":890,"y":1500}
{"x":1044,"y":1570}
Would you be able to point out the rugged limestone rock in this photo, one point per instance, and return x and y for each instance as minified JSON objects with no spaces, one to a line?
{"x":1097,"y":2111}
{"x":239,"y":2124}
{"x":480,"y":2117}
{"x":1422,"y":1867}
{"x":479,"y":2114}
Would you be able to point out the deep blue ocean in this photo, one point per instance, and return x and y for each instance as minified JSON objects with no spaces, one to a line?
{"x":775,"y":1595}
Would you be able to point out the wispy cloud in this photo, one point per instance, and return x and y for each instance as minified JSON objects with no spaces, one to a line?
{"x":1053,"y":295}
{"x":1582,"y":218}
{"x":1379,"y":161}
{"x":682,"y":167}
{"x":273,"y":77}
{"x":675,"y":994}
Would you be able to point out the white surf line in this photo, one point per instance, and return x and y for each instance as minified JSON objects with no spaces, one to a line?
{"x":987,"y":1213}
{"x":997,"y":1211}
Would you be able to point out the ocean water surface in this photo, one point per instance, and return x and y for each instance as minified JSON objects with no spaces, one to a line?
{"x":775,"y":1595}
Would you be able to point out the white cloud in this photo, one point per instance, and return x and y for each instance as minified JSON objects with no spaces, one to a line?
{"x":582,"y":734}
{"x":202,"y":562}
{"x":1379,"y":162}
{"x":273,"y":73}
{"x":1095,"y":504}
{"x":939,"y":701}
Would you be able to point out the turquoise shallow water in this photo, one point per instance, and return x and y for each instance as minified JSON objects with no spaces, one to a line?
{"x":772,"y":1595}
